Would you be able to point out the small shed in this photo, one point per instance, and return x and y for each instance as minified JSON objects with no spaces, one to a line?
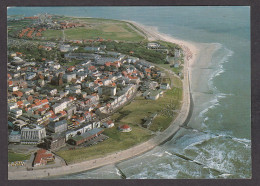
{"x":125,"y":128}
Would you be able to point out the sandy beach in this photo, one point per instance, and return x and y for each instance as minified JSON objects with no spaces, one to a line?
{"x":192,"y":55}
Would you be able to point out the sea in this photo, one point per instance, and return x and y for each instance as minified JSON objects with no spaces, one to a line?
{"x":216,"y":143}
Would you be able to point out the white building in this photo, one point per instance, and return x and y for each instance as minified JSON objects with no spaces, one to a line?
{"x":65,"y":48}
{"x":82,"y":130}
{"x":57,"y":107}
{"x":12,"y":106}
{"x":53,"y":92}
{"x":17,"y":112}
{"x":13,"y":89}
{"x":69,"y":77}
{"x":153,"y":45}
{"x":32,"y":134}
{"x":177,"y":53}
{"x":107,"y":90}
{"x":14,"y":137}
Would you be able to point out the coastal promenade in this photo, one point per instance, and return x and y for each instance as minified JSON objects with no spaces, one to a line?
{"x":125,"y":154}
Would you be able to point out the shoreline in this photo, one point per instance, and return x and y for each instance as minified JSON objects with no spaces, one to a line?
{"x":191,"y":52}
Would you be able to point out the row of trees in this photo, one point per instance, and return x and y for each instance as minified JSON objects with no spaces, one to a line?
{"x":137,"y":50}
{"x":32,"y":52}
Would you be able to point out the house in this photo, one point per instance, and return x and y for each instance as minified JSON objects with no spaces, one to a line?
{"x":153,"y":45}
{"x":87,"y":136}
{"x":109,"y":124}
{"x":65,"y":48}
{"x":152,"y":94}
{"x":55,"y":141}
{"x":176,"y":65}
{"x":42,"y":158}
{"x":107,"y":90}
{"x":71,"y":110}
{"x":14,"y":137}
{"x":17,"y":61}
{"x":16,"y":112}
{"x":92,"y":49}
{"x":148,"y":121}
{"x":69,"y":76}
{"x":13,"y":89}
{"x":165,"y":86}
{"x":57,"y":107}
{"x":177,"y":53}
{"x":121,"y":82}
{"x":28,"y":91}
{"x":125,"y":128}
{"x":12,"y":106}
{"x":30,"y":75}
{"x":59,"y":126}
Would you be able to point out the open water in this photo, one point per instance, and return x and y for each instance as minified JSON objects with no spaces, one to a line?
{"x":217,"y":142}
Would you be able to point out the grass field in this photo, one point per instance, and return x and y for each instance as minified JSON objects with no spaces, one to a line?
{"x":52,"y":34}
{"x":137,"y":110}
{"x":117,"y":141}
{"x":104,"y":29}
{"x":17,"y":157}
{"x":175,"y":70}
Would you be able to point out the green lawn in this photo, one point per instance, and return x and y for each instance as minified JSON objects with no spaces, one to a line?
{"x":119,"y":31}
{"x":137,"y":110}
{"x":52,"y":34}
{"x":117,"y":141}
{"x":17,"y":157}
{"x":106,"y":29}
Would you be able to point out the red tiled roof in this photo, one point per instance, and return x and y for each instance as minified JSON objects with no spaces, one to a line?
{"x":53,"y":116}
{"x":71,"y":68}
{"x":41,"y":109}
{"x":71,"y":98}
{"x":124,"y":127}
{"x":92,"y":68}
{"x":46,"y":106}
{"x":63,"y":112}
{"x":18,"y":93}
{"x":19,"y":103}
{"x":41,"y":155}
{"x":44,"y":101}
{"x":40,"y":151}
{"x":38,"y":103}
{"x":51,"y":111}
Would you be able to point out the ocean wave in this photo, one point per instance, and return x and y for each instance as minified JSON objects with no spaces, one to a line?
{"x":168,"y":153}
{"x":158,"y":154}
{"x":220,"y":60}
{"x":193,"y":142}
{"x":213,"y":103}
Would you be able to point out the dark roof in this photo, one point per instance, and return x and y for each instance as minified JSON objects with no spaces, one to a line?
{"x":56,"y":124}
{"x":87,"y":134}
